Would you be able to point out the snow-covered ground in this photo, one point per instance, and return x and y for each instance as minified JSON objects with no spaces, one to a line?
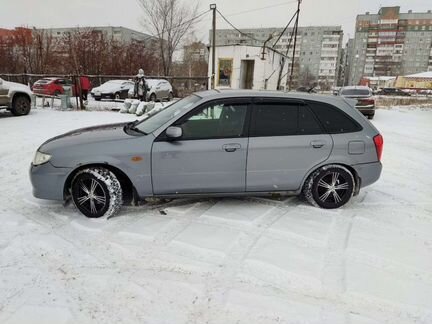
{"x":249,"y":260}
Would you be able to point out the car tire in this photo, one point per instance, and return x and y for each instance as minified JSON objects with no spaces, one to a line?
{"x":117,"y":96}
{"x":329,"y":187}
{"x":371,"y":116}
{"x":96,"y":192}
{"x":21,"y":105}
{"x":153,"y":97}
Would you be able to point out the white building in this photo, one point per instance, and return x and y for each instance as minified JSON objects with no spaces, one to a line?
{"x":248,"y":67}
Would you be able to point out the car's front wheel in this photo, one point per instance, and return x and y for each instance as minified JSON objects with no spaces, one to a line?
{"x":21,"y":105}
{"x":329,"y":187}
{"x":96,"y":192}
{"x":153,"y":97}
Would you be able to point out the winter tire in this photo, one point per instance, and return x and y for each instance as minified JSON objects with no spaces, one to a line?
{"x":117,"y":96}
{"x":153,"y":97}
{"x":96,"y":192}
{"x":21,"y":106}
{"x":370,"y":116}
{"x":329,"y":187}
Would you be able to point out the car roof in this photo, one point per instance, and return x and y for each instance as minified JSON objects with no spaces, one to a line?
{"x":356,"y":88}
{"x":222,"y":94}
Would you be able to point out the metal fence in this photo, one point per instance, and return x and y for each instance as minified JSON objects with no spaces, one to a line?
{"x":182,"y":85}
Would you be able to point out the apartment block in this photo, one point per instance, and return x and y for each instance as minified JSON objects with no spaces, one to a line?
{"x":391,"y":43}
{"x":120,"y":34}
{"x":318,"y":51}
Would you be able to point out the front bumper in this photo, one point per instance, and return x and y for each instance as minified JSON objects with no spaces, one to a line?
{"x":48,"y":181}
{"x":368,"y":172}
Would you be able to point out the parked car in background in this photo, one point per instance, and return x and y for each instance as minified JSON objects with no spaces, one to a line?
{"x":392,"y":92}
{"x":15,"y":97}
{"x":55,"y":86}
{"x":159,"y":90}
{"x":364,"y":96}
{"x":114,"y":89}
{"x":216,"y":143}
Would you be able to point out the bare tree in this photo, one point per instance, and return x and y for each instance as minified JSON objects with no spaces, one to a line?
{"x":170,"y":21}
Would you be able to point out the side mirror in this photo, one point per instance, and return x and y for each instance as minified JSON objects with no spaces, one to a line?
{"x":174,"y":132}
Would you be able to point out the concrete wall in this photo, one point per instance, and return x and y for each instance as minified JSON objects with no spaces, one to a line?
{"x":264,"y":69}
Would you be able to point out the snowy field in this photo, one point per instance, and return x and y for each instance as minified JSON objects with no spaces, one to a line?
{"x":248,"y":260}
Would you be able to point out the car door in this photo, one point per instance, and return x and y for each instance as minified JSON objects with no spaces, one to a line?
{"x":4,"y":91}
{"x":286,"y":141}
{"x":210,"y":157}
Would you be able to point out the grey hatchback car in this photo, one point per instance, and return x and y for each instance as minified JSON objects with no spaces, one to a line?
{"x":216,"y":143}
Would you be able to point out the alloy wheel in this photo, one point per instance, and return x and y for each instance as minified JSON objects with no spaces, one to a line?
{"x":91,"y":197}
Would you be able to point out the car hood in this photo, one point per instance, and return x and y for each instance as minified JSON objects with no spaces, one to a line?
{"x":107,"y":88}
{"x":13,"y":86}
{"x":85,"y":136}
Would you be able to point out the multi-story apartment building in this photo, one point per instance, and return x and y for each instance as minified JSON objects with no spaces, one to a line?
{"x":121,"y":34}
{"x":318,"y":51}
{"x":391,"y":43}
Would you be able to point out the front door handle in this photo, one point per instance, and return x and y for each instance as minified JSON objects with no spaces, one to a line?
{"x":318,"y":144}
{"x":231,"y":147}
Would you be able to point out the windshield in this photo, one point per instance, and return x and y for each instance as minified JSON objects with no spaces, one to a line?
{"x":355,"y":92}
{"x":153,"y":122}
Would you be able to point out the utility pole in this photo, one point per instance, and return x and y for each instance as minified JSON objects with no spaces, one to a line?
{"x":213,"y":76}
{"x":295,"y":44}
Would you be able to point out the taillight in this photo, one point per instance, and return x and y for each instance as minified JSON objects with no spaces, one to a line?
{"x":367,"y":101}
{"x":379,"y":144}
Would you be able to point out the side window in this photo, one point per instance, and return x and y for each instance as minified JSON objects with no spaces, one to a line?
{"x":275,"y":119}
{"x":333,"y":119}
{"x":216,"y":121}
{"x":308,"y":124}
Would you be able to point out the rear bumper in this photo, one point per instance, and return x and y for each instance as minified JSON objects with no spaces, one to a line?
{"x":368,"y":173}
{"x":366,"y":110}
{"x":48,"y":181}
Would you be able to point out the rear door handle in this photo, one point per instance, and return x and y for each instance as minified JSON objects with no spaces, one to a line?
{"x":318,"y":144}
{"x":231,"y":147}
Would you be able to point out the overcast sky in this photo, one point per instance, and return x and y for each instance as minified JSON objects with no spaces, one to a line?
{"x":127,"y":13}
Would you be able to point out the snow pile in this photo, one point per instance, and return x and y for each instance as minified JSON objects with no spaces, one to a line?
{"x":251,"y":260}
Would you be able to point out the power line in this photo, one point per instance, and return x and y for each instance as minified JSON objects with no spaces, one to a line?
{"x":229,"y":23}
{"x":262,"y":8}
{"x":285,"y":29}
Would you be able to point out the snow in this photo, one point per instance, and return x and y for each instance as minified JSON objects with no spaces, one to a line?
{"x":249,"y":260}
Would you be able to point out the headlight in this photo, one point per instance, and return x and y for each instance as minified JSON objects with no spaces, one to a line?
{"x":41,"y":158}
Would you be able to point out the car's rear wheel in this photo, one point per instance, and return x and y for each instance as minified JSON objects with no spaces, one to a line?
{"x":117,"y":96}
{"x":371,"y":116}
{"x":329,"y":187}
{"x":21,"y":105}
{"x":96,"y":192}
{"x":153,"y":97}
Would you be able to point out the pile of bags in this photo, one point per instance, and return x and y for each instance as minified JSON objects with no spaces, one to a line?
{"x":137,"y":107}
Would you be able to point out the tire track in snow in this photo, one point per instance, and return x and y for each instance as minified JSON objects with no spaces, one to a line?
{"x":212,"y":304}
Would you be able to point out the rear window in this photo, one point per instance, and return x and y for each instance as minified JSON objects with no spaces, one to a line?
{"x":275,"y":119}
{"x":282,"y":119}
{"x":334,"y":120}
{"x":355,"y":92}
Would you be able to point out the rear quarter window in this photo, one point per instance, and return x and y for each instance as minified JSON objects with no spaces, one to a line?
{"x":334,"y":120}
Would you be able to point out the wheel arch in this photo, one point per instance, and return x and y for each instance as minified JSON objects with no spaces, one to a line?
{"x":357,"y":180}
{"x":17,"y":94}
{"x":129,"y":191}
